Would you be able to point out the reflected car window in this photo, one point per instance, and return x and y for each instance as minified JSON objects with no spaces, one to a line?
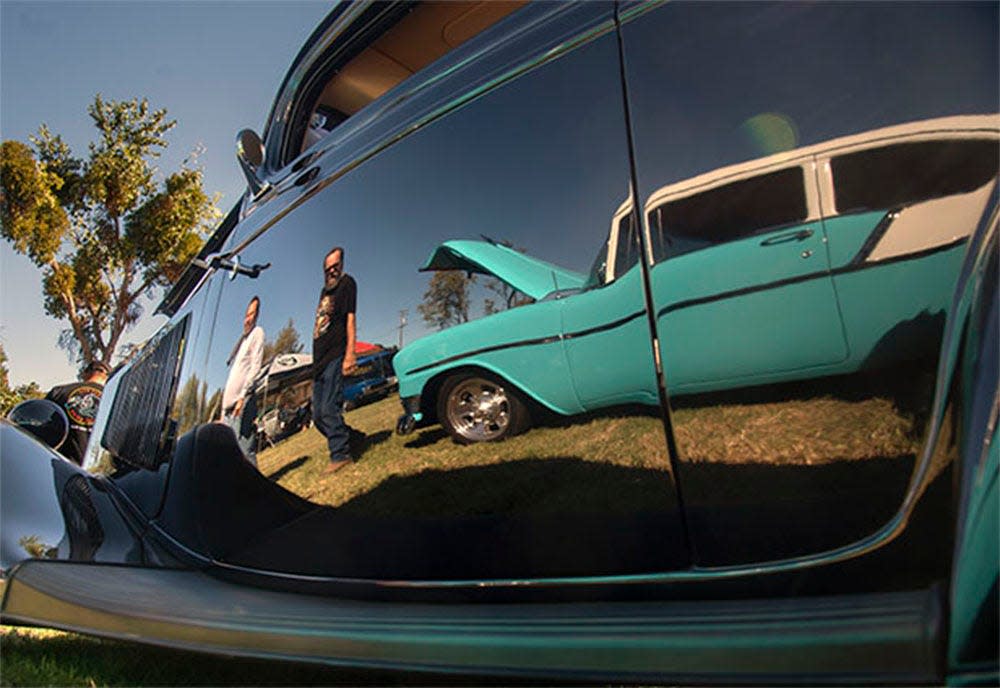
{"x":885,"y":177}
{"x":729,"y":212}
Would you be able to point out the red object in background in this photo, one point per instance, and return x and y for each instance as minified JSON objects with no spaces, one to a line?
{"x":365,"y":348}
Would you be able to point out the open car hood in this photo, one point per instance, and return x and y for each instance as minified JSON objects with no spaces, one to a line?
{"x":530,"y":276}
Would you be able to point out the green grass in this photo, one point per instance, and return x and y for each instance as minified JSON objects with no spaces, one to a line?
{"x":45,"y":657}
{"x":41,"y":657}
{"x":298,"y":463}
{"x":791,"y":432}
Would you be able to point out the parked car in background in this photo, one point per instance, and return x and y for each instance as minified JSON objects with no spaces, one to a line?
{"x":284,"y":396}
{"x":823,"y":227}
{"x":373,"y":379}
{"x":774,"y":453}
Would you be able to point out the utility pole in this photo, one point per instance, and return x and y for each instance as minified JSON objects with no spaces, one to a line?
{"x":402,"y":323}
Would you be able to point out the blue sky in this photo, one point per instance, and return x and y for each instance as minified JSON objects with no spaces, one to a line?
{"x":215,"y":67}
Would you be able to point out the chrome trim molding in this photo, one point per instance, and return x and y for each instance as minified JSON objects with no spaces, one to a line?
{"x":887,"y":637}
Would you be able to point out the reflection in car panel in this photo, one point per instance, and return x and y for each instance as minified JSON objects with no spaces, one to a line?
{"x":807,"y":523}
{"x":770,"y":232}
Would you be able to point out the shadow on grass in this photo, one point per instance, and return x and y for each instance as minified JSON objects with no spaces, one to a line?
{"x":550,"y":517}
{"x":427,"y":438}
{"x":747,"y":512}
{"x":565,"y":516}
{"x":288,"y":468}
{"x":360,"y":441}
{"x":910,"y":388}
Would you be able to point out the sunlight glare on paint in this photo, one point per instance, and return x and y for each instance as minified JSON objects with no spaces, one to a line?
{"x":771,"y":132}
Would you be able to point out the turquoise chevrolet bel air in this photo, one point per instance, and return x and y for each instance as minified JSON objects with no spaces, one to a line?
{"x":823,"y":260}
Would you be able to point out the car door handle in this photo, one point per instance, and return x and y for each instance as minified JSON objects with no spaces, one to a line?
{"x":798,"y":235}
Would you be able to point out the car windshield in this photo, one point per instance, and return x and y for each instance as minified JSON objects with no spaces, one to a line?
{"x":598,"y":271}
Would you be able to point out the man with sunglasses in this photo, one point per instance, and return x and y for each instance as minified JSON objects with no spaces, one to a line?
{"x":334,"y":337}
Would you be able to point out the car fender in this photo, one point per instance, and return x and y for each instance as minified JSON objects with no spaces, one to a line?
{"x":522,"y":346}
{"x":52,"y":509}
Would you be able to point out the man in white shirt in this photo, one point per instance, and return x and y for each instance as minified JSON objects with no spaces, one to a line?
{"x":239,"y":404}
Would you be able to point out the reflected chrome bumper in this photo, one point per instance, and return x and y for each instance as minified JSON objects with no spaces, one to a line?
{"x":411,"y":415}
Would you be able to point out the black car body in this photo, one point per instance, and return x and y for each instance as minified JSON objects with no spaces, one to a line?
{"x":837,"y":529}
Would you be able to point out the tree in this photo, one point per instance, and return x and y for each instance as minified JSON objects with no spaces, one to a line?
{"x":446,"y":301}
{"x":509,"y":297}
{"x":286,"y":341}
{"x":190,"y":407}
{"x":11,"y":397}
{"x":193,"y":407}
{"x":105,"y":234}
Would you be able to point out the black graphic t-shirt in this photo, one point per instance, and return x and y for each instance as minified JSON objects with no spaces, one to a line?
{"x":80,"y":401}
{"x":330,"y":330}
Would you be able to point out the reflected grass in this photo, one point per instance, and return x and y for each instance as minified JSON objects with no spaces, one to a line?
{"x":796,"y":432}
{"x":793,"y":432}
{"x":623,"y":439}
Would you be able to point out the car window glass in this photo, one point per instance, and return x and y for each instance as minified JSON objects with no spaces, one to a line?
{"x":908,"y":173}
{"x":402,"y":45}
{"x":627,"y":248}
{"x":728,"y":212}
{"x":598,"y":269}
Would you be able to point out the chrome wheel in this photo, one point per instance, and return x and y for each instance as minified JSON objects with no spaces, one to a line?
{"x":478,"y":410}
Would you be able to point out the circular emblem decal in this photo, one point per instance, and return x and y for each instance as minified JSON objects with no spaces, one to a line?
{"x":81,"y":405}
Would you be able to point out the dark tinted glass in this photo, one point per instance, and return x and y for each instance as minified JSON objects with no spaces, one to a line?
{"x":627,"y":249}
{"x":909,"y":173}
{"x":733,"y":211}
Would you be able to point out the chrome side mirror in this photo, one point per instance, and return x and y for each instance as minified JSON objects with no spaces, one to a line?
{"x":250,"y":153}
{"x":43,"y":419}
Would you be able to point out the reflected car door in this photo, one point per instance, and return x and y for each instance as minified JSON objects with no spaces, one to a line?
{"x":788,"y":445}
{"x":741,"y":279}
{"x":605,"y":328}
{"x":517,"y":162}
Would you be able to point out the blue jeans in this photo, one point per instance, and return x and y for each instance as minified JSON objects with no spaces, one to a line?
{"x":245,"y":429}
{"x":328,"y":409}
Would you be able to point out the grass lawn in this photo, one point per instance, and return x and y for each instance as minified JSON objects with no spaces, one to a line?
{"x":44,"y":657}
{"x":41,"y":657}
{"x":784,"y":432}
{"x":298,"y":463}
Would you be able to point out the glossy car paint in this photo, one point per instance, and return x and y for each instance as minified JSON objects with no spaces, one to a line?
{"x":976,"y":619}
{"x":53,"y":510}
{"x":869,"y":609}
{"x":194,"y":610}
{"x":376,"y":382}
{"x":530,"y":276}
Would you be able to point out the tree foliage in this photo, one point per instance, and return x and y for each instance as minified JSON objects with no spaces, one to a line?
{"x":507,"y":297}
{"x":446,"y":301}
{"x":286,"y":341}
{"x":194,"y":407}
{"x":106,"y":233}
{"x":12,"y":396}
